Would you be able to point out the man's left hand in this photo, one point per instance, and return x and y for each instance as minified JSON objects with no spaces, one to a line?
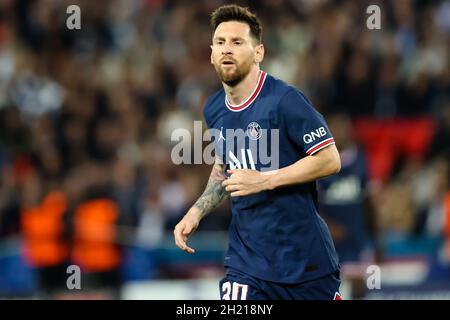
{"x":244,"y":182}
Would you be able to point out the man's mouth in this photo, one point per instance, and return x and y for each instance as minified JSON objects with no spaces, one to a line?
{"x":227,"y":63}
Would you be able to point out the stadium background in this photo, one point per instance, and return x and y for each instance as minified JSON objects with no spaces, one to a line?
{"x":86,"y":118}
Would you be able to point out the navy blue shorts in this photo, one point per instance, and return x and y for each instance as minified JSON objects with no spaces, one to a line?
{"x":239,"y":286}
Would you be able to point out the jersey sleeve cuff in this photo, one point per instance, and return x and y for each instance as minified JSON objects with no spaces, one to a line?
{"x":319,"y":146}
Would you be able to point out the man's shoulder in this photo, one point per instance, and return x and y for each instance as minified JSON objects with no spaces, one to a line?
{"x":289,"y":98}
{"x":277,"y":86}
{"x":215,"y":97}
{"x":274,"y":92}
{"x":286,"y":92}
{"x":213,"y":104}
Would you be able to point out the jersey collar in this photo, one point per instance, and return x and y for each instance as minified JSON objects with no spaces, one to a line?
{"x":253,"y":96}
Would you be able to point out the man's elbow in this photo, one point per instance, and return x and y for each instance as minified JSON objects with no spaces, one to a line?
{"x":335,"y":165}
{"x":332,"y":160}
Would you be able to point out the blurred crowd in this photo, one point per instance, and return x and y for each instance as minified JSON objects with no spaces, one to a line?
{"x":86,"y":116}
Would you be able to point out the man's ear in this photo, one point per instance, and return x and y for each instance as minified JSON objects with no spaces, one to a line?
{"x":212,"y":61}
{"x":259,"y":55}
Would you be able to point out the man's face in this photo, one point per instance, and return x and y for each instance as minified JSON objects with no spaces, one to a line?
{"x":234,"y":52}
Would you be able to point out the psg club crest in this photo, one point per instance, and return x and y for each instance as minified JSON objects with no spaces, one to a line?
{"x":254,"y":131}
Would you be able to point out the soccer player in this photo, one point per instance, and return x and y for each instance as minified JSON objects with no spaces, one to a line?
{"x":279,"y":246}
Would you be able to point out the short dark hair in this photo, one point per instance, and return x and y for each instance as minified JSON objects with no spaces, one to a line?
{"x":236,"y":13}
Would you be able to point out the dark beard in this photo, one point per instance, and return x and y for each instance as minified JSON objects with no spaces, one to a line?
{"x":234,"y":79}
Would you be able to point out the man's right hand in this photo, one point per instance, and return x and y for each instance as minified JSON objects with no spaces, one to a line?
{"x":185,"y":228}
{"x":213,"y":195}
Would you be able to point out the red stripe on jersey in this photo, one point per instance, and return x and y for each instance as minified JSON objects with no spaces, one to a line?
{"x":320,"y":146}
{"x":262,"y":78}
{"x":337,"y":296}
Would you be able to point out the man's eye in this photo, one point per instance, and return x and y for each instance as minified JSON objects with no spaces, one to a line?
{"x":238,"y":43}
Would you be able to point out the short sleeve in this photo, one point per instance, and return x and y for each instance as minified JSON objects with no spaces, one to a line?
{"x":305,"y":126}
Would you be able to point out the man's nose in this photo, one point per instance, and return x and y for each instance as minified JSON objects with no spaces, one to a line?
{"x":226,"y":50}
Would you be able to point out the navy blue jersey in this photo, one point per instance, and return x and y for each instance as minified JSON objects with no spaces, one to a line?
{"x":274,"y":235}
{"x":342,"y":198}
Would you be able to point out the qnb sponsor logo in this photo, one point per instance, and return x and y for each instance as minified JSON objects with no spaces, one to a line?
{"x":253,"y":148}
{"x":313,"y":135}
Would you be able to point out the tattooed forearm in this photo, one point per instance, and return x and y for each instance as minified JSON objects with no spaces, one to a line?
{"x":212,"y":197}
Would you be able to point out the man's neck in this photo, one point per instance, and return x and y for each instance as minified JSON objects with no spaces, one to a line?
{"x":242,"y":91}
